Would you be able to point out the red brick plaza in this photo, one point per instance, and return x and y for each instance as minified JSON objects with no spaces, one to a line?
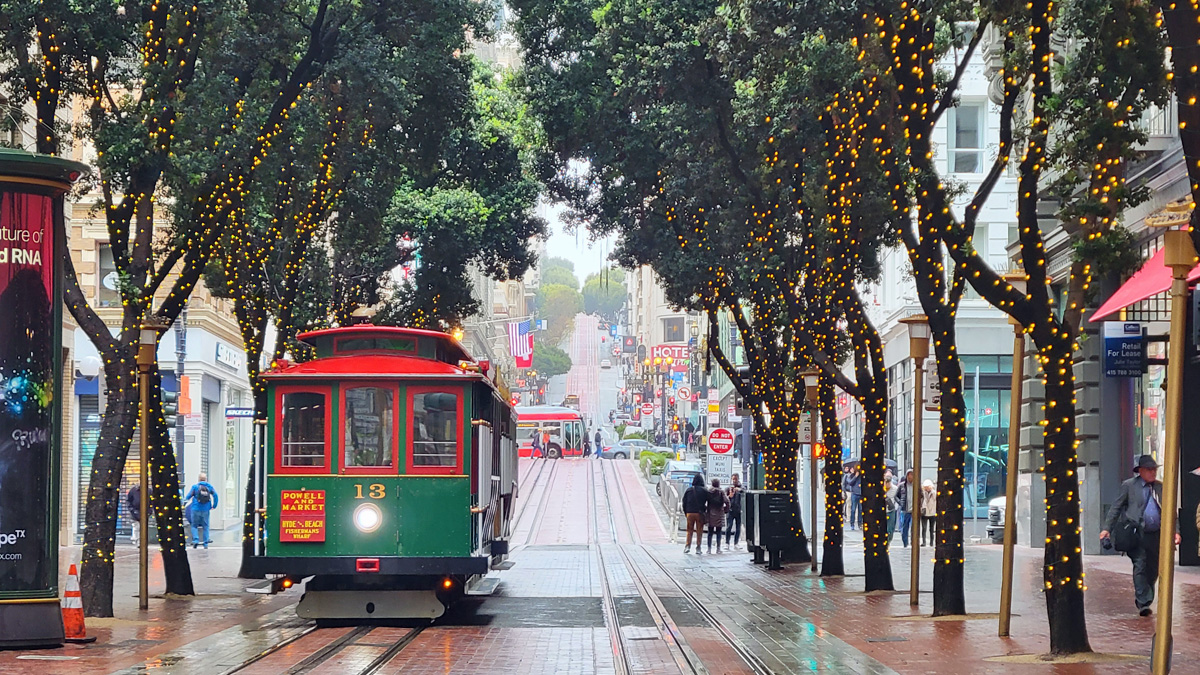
{"x":600,"y":587}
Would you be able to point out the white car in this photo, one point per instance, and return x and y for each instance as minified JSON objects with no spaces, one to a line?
{"x":606,"y":364}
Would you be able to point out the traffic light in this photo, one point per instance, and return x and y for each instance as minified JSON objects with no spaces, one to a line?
{"x":170,"y":407}
{"x":671,"y":401}
{"x":820,"y":449}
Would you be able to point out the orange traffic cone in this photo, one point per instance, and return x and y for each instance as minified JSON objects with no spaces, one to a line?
{"x":72,"y":610}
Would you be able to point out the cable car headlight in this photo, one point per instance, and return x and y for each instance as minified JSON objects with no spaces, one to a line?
{"x":367,"y":517}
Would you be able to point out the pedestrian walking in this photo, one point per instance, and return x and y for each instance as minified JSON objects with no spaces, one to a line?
{"x":889,"y":497}
{"x":695,"y":503}
{"x":733,"y":520}
{"x":587,"y":446}
{"x":599,"y":442}
{"x":928,"y":512}
{"x":133,"y":501}
{"x":202,"y":497}
{"x":905,"y":506}
{"x":537,"y":445}
{"x":1132,"y":526}
{"x":718,"y":506}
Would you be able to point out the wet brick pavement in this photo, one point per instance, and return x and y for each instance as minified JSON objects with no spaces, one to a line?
{"x":548,"y":614}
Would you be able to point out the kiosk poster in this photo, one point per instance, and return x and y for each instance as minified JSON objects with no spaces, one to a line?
{"x":27,"y":406}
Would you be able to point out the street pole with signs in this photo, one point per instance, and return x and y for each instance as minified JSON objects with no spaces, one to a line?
{"x":918,"y":351}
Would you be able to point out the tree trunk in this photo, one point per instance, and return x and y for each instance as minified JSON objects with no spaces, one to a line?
{"x":875,"y":538}
{"x":948,"y":592}
{"x":168,"y":511}
{"x":833,"y":560}
{"x":104,"y":490}
{"x":1063,"y":570}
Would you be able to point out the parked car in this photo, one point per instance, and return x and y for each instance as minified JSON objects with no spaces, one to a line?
{"x":606,"y":364}
{"x":630,"y":447}
{"x":676,"y":479}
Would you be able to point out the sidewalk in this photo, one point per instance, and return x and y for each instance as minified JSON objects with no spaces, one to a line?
{"x":131,"y":637}
{"x":805,"y":622}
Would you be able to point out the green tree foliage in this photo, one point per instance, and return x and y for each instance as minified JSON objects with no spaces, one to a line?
{"x":558,"y":305}
{"x":604,"y":293}
{"x":560,"y":276}
{"x":550,"y":361}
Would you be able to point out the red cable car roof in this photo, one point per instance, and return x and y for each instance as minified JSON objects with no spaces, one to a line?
{"x":368,"y":330}
{"x":375,"y":365}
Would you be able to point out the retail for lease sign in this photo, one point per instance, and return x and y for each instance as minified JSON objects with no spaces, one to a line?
{"x":302,"y":516}
{"x":1124,"y":349}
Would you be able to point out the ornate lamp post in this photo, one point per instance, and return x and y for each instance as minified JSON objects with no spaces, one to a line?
{"x":811,"y":399}
{"x":147,"y":357}
{"x":918,"y":351}
{"x":1180,"y":256}
{"x":1016,"y":280}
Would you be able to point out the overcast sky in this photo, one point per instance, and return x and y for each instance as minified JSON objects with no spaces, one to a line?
{"x":574,"y":246}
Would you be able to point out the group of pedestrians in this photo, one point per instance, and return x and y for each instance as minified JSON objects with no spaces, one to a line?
{"x":901,"y":503}
{"x":719,"y":510}
{"x":198,"y":503}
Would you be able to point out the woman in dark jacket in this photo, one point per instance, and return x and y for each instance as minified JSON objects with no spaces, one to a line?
{"x":695,"y":504}
{"x":718,"y":505}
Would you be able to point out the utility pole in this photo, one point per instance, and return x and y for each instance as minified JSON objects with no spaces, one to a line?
{"x":180,"y":361}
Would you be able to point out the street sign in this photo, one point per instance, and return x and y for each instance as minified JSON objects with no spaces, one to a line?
{"x":732,"y":413}
{"x":933,"y":390}
{"x":1124,"y":349}
{"x":647,"y":408}
{"x":720,"y":441}
{"x":806,"y":432}
{"x":714,"y":411}
{"x":720,"y":466}
{"x":684,"y":393}
{"x":612,"y":330}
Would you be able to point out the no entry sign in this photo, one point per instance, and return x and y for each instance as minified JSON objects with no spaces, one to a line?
{"x":647,"y":408}
{"x":720,"y":441}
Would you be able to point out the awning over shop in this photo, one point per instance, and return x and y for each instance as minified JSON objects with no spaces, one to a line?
{"x":1152,"y":279}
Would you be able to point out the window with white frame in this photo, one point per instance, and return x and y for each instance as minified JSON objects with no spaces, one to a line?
{"x":965,"y":126}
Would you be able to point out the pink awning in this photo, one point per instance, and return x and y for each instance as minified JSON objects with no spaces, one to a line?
{"x":1152,"y":279}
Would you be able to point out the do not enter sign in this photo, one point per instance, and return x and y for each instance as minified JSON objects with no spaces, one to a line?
{"x":720,"y":441}
{"x":647,"y":408}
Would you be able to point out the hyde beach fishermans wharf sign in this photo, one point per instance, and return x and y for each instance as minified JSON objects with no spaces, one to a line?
{"x":1124,"y":349}
{"x":31,"y":227}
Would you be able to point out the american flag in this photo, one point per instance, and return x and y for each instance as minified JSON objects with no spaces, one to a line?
{"x":520,"y":340}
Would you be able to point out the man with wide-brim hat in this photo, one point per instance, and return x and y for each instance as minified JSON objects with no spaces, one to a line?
{"x":1132,"y":526}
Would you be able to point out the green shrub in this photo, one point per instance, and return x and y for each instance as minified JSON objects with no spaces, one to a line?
{"x":653,"y":460}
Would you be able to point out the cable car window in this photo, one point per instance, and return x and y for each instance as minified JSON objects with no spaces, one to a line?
{"x":368,"y":437}
{"x":376,"y":344}
{"x":435,"y":423}
{"x":303,"y":440}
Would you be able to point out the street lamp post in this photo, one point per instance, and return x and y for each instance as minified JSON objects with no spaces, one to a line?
{"x":1180,"y":256}
{"x":146,"y":358}
{"x":1017,"y":281}
{"x":918,"y":351}
{"x":811,"y":398}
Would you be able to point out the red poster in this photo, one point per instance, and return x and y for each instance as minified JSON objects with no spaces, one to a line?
{"x":302,"y":516}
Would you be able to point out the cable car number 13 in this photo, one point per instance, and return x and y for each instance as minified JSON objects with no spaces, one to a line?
{"x":374,"y":491}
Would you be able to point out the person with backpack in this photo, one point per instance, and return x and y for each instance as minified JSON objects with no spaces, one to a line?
{"x":733,"y":521}
{"x":695,"y":503}
{"x":201,"y":498}
{"x":718,"y":505}
{"x":1132,"y":527}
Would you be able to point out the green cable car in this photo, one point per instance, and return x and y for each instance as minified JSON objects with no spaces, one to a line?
{"x":387,"y":473}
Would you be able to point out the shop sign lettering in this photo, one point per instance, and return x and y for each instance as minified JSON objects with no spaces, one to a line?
{"x":302,"y":516}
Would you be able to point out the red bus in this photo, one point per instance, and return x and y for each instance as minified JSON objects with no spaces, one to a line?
{"x":562,"y":431}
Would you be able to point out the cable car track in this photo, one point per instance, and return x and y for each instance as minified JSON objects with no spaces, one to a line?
{"x":352,"y":638}
{"x":685,"y":657}
{"x":542,"y":502}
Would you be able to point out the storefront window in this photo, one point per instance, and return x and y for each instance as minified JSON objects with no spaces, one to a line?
{"x":991,"y":456}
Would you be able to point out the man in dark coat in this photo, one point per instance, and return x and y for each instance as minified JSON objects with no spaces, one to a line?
{"x":1140,"y":501}
{"x":695,"y":506}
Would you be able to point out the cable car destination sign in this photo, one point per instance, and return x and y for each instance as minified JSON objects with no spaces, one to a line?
{"x":302,"y":516}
